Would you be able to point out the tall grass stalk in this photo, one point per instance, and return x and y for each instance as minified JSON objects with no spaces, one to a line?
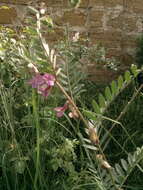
{"x":37,"y":125}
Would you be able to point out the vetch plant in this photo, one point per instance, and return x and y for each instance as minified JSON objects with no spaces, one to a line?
{"x":44,"y":83}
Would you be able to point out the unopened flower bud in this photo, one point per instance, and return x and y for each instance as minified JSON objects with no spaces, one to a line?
{"x":42,"y":8}
{"x":73,"y":113}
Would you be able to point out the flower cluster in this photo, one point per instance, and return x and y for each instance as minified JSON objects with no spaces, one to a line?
{"x":43,"y":83}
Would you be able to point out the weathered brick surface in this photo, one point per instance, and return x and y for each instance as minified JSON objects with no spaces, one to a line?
{"x":96,"y":17}
{"x":84,"y":4}
{"x":114,"y":23}
{"x":15,"y":1}
{"x":96,"y":3}
{"x":56,"y":3}
{"x":55,"y":35}
{"x":7,"y":16}
{"x":73,"y":18}
{"x":112,"y":3}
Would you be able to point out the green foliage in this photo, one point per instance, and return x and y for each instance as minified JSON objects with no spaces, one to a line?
{"x":112,"y":91}
{"x":122,"y":170}
{"x":75,"y":56}
{"x":72,"y":54}
{"x":99,"y":55}
{"x":64,"y":156}
{"x":116,"y":177}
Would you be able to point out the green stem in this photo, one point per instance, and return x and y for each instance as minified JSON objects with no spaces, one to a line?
{"x":36,"y":121}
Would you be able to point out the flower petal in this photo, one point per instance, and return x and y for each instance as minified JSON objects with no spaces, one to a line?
{"x":43,"y":83}
{"x":60,"y":114}
{"x":58,"y":109}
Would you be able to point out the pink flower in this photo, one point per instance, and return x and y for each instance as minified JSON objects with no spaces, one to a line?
{"x":60,"y":110}
{"x":43,"y":83}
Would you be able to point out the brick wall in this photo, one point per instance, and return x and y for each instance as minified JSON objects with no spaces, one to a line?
{"x":114,"y":23}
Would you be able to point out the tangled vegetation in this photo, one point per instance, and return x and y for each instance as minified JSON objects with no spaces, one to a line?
{"x":50,"y":137}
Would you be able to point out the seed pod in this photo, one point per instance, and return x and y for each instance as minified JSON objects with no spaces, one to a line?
{"x":103,"y":162}
{"x":93,"y":136}
{"x":73,"y":113}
